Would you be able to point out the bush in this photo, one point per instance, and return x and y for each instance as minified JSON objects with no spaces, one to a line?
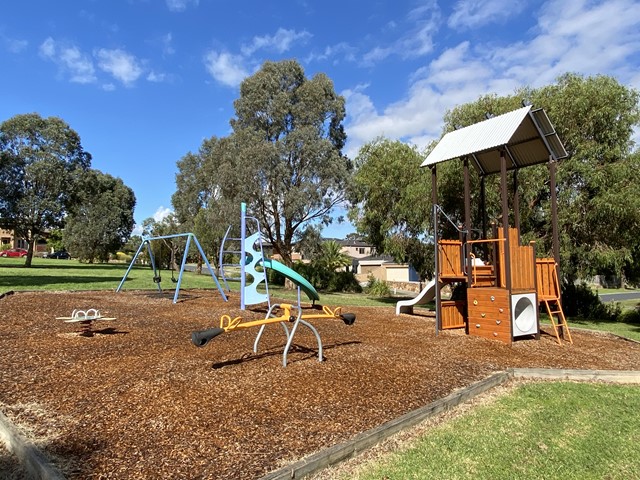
{"x":326,"y":280}
{"x":581,"y":301}
{"x":377,"y":288}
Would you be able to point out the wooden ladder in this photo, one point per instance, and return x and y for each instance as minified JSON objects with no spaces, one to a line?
{"x":561,"y":325}
{"x":549,"y":294}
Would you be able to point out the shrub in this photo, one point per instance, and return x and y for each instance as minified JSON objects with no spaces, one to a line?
{"x":377,"y":288}
{"x":581,"y":301}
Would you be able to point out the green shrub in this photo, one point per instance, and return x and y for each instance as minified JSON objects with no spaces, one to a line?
{"x":581,"y":301}
{"x":377,"y":288}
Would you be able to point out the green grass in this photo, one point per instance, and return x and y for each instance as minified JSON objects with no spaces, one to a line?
{"x":541,"y":430}
{"x":627,"y":330}
{"x":46,"y":274}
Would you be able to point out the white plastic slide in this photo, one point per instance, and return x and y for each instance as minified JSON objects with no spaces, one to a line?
{"x":427,"y":294}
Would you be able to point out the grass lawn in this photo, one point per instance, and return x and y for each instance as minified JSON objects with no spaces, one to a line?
{"x":541,"y":430}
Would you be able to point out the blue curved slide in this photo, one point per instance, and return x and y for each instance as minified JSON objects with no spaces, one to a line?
{"x":294,"y":276}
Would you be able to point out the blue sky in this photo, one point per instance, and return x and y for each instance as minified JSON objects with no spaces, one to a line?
{"x":145,"y":81}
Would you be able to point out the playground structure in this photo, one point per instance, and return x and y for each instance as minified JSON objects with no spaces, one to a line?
{"x":252,"y":263}
{"x":85,"y":318}
{"x":157,"y":279}
{"x":502,"y":281}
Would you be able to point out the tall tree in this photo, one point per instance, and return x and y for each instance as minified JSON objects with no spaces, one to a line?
{"x":41,"y":163}
{"x":102,"y":221}
{"x":283,"y":158}
{"x":391,"y":202}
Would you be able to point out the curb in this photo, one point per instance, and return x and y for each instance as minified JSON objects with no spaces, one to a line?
{"x":338,"y":453}
{"x":30,"y":457}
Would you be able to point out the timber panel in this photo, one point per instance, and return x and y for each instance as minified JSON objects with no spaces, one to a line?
{"x":547,"y":288}
{"x":450,"y":259}
{"x":522,"y":263}
{"x":452,"y":314}
{"x":489,"y":313}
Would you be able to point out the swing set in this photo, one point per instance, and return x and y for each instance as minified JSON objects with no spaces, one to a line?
{"x":168,"y":240}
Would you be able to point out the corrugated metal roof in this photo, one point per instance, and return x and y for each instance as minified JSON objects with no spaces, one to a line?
{"x":526,"y":135}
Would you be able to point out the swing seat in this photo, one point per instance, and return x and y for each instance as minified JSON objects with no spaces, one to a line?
{"x":157,"y":279}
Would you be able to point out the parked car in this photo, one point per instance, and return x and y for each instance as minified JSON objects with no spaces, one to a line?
{"x":14,"y":252}
{"x":61,"y":255}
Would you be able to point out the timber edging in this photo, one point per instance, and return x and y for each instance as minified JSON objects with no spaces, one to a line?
{"x":338,"y":453}
{"x":39,"y":467}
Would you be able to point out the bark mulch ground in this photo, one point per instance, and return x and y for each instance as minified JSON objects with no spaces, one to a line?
{"x":134,"y":398}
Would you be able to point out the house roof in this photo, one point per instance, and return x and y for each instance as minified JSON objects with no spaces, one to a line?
{"x":526,"y":135}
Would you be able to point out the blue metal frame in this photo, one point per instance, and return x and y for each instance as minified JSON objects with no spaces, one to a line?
{"x":147,"y":241}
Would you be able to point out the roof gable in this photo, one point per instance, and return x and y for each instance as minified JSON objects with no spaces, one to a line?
{"x":526,"y":135}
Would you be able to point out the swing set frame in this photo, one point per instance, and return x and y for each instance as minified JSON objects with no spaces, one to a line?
{"x":146,"y":241}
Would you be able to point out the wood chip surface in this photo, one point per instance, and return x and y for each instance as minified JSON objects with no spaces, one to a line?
{"x":133,"y":398}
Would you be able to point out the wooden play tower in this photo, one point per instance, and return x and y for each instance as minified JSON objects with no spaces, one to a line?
{"x":502,"y":282}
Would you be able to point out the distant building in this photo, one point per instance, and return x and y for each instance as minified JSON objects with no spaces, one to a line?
{"x":8,"y":239}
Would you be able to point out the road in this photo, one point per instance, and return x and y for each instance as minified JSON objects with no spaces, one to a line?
{"x":618,"y":297}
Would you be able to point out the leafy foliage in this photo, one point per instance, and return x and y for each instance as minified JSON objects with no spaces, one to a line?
{"x":391,"y":202}
{"x":102,"y":220}
{"x":377,"y":288}
{"x":283,"y":158}
{"x":41,"y":164}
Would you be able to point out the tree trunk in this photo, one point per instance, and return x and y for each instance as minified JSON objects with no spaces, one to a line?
{"x":29,"y":257}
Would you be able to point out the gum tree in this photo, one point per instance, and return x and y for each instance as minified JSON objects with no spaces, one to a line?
{"x":41,"y":164}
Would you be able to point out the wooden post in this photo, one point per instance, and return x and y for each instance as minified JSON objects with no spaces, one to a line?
{"x":505,"y":218}
{"x":467,"y":223}
{"x":434,"y":201}
{"x":516,"y":202}
{"x":554,"y":211}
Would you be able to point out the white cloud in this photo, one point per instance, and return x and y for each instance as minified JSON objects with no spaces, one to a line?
{"x":570,"y":36}
{"x":156,"y":77}
{"x":161,"y":213}
{"x":14,"y":45}
{"x":71,"y":61}
{"x":279,"y":42}
{"x":226,"y":68}
{"x":121,"y":65}
{"x":180,"y":5}
{"x":476,"y":13}
{"x":167,"y":44}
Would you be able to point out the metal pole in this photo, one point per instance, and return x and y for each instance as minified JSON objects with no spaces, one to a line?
{"x":130,"y":267}
{"x":211,"y":271}
{"x":184,"y":261}
{"x":554,"y":210}
{"x":243,"y":236}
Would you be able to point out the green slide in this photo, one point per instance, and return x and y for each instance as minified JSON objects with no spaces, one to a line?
{"x":295,"y":277}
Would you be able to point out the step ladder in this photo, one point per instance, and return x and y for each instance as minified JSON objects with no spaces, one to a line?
{"x":560,"y":326}
{"x":549,"y":295}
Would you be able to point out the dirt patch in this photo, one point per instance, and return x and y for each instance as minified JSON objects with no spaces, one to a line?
{"x":133,"y":398}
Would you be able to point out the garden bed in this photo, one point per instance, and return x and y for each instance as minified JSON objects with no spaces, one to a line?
{"x":135,"y":399}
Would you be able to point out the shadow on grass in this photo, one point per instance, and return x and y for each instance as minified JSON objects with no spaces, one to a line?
{"x":34,"y":282}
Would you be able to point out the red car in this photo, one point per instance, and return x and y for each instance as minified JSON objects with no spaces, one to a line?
{"x":14,"y":252}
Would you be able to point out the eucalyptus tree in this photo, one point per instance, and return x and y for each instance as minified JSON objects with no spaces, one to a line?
{"x":41,"y":164}
{"x":598,"y":185}
{"x":102,"y":221}
{"x":283,"y":157}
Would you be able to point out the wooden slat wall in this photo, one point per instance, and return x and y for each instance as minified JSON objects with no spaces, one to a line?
{"x":522,"y":273}
{"x":452,"y":314}
{"x":450,"y":252}
{"x":546,"y":273}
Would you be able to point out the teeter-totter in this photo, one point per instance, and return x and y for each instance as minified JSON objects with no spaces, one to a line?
{"x":85,"y":318}
{"x":286,"y":315}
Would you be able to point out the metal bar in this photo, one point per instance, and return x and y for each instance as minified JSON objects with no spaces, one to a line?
{"x":243,"y":236}
{"x":184,"y":262}
{"x":211,"y":271}
{"x":130,"y":267}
